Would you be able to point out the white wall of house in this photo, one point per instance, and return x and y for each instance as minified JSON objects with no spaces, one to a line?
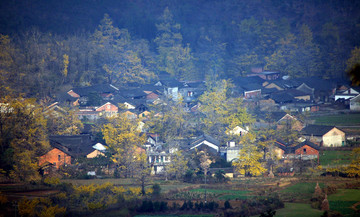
{"x":232,"y":153}
{"x":355,"y":103}
{"x":334,"y":138}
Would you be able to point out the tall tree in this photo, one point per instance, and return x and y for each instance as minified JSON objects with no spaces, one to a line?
{"x":23,"y":137}
{"x":142,"y":169}
{"x":248,"y":163}
{"x":123,"y":139}
{"x":121,"y":63}
{"x":178,"y":165}
{"x":220,"y":111}
{"x":173,"y":57}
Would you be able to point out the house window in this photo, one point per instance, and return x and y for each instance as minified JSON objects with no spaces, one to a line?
{"x":59,"y":157}
{"x":304,"y":150}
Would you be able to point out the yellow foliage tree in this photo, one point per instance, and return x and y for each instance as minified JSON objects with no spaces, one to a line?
{"x":123,"y":138}
{"x":23,"y":137}
{"x":353,"y":170}
{"x":178,"y":165}
{"x":248,"y":163}
{"x":222,"y":112}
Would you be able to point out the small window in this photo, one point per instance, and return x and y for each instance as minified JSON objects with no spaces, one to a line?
{"x":59,"y":157}
{"x":304,"y":150}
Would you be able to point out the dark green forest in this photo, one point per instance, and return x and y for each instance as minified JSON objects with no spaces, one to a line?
{"x":49,"y":45}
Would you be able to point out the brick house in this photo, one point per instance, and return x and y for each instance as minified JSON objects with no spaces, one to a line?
{"x":57,"y":156}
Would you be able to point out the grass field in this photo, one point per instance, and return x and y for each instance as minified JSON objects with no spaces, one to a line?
{"x":339,"y":120}
{"x":302,"y":188}
{"x":298,"y":209}
{"x":343,"y":200}
{"x":300,"y":192}
{"x":175,"y":215}
{"x":226,"y":194}
{"x":334,"y":158}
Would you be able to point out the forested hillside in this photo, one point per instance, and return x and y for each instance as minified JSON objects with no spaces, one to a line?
{"x":46,"y":45}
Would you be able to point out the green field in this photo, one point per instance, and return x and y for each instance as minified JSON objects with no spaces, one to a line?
{"x":298,"y":209}
{"x":175,"y":215}
{"x":225,"y":194}
{"x":335,"y":158}
{"x":302,"y":188}
{"x":343,"y":200}
{"x":339,"y":120}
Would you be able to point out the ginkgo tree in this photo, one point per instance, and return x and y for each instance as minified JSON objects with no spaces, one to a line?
{"x":23,"y":138}
{"x":221,"y":112}
{"x":124,"y":140}
{"x":248,"y":162}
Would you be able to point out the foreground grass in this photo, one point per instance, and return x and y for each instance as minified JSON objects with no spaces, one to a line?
{"x":344,"y":200}
{"x":299,"y":192}
{"x":339,"y":120}
{"x":298,"y":209}
{"x":224,"y":194}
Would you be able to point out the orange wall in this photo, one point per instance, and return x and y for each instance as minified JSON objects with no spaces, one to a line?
{"x":309,"y":150}
{"x":53,"y":157}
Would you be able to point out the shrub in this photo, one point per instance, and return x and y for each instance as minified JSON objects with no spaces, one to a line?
{"x":156,"y":190}
{"x":227,"y":205}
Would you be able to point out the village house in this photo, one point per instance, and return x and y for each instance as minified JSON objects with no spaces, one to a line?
{"x":326,"y":136}
{"x":57,"y":156}
{"x":355,"y":103}
{"x":303,"y":151}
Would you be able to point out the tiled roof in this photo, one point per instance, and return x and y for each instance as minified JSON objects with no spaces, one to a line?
{"x":77,"y":145}
{"x":316,"y":130}
{"x":204,"y":137}
{"x":312,"y":145}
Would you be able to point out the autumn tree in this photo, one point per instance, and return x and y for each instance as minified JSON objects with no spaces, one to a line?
{"x":123,"y":139}
{"x":248,"y":162}
{"x":63,"y":123}
{"x":220,"y":111}
{"x":142,"y":169}
{"x":177,"y":166}
{"x":353,"y":170}
{"x":23,"y":137}
{"x":172,"y":121}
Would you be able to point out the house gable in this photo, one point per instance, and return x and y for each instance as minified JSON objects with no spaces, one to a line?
{"x":334,"y":138}
{"x":95,"y":153}
{"x":108,"y":107}
{"x":56,"y":157}
{"x":207,"y":143}
{"x":205,"y":140}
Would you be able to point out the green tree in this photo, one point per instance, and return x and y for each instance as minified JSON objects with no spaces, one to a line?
{"x":353,"y":66}
{"x":123,"y":139}
{"x":248,"y":163}
{"x":173,"y":57}
{"x":120,"y":61}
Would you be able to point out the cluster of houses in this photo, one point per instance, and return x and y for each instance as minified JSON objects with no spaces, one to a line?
{"x":266,"y":90}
